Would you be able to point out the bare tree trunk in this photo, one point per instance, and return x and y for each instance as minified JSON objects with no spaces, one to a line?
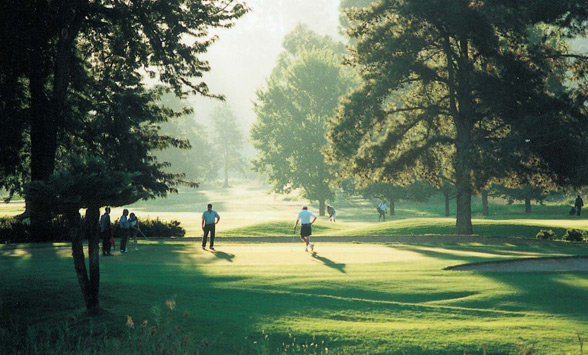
{"x":321,"y":207}
{"x":77,"y":251}
{"x":485,"y":210}
{"x":226,"y":168}
{"x":91,"y":230}
{"x":447,"y":206}
{"x":392,"y":211}
{"x":88,"y":285}
{"x":43,"y":137}
{"x":527,"y":205}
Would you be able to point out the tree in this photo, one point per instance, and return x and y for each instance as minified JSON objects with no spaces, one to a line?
{"x":476,"y":86}
{"x":89,"y":117}
{"x":55,"y":42}
{"x":301,"y":95}
{"x":192,"y":161}
{"x":228,"y":141}
{"x":86,"y":184}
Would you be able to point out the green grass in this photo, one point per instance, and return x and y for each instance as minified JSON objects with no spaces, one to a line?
{"x":350,"y":298}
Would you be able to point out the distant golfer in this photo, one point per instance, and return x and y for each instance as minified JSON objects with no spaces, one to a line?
{"x":579,"y":204}
{"x":382,"y":210}
{"x":304,"y":217}
{"x":332,"y":213}
{"x":209,"y":220}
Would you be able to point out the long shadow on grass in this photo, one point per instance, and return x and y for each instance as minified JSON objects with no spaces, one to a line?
{"x":328,"y":262}
{"x":225,"y":256}
{"x":541,"y":291}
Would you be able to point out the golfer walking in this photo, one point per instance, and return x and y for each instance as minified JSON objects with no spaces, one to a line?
{"x":209,"y":220}
{"x":306,"y":219}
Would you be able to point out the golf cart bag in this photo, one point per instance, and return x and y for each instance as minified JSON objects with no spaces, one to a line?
{"x":573,"y":211}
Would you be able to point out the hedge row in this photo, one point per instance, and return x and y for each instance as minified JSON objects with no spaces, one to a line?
{"x":16,"y":231}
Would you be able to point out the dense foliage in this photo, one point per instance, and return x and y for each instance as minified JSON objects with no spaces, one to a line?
{"x":465,"y":91}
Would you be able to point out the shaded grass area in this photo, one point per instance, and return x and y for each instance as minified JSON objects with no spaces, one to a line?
{"x":349,"y":298}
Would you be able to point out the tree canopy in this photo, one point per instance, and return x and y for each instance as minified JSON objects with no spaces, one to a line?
{"x":65,"y":62}
{"x":468,"y":91}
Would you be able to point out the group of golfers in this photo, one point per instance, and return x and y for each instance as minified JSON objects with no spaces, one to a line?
{"x":129,"y":225}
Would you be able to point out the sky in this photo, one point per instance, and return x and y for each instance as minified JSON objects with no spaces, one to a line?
{"x":244,"y":56}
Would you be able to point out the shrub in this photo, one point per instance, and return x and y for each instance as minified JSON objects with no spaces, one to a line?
{"x":156,"y":228}
{"x":14,"y":231}
{"x":546,"y":234}
{"x":574,"y":235}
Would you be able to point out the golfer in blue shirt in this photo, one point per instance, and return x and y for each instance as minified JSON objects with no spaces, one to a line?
{"x":209,"y":219}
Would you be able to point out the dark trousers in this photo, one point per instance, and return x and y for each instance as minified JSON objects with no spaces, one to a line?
{"x":105,"y":242}
{"x":208,"y":228}
{"x":578,"y":210}
{"x":124,"y":238}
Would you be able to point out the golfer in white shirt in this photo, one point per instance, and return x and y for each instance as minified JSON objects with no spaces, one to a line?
{"x":305,"y":217}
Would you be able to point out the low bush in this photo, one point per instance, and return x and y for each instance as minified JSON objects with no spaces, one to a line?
{"x":16,"y":231}
{"x":546,"y":234}
{"x":574,"y":235}
{"x":156,"y":228}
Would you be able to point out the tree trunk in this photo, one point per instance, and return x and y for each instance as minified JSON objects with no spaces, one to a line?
{"x":447,"y":209}
{"x":464,"y":212}
{"x":527,"y":205}
{"x":91,"y":230}
{"x":392,"y":211}
{"x":77,"y":249}
{"x":226,"y":184}
{"x":47,"y":113}
{"x":461,"y":107}
{"x":321,"y":207}
{"x":485,"y":210}
{"x":43,"y":147}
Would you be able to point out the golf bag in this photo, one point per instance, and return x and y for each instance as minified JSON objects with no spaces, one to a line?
{"x":573,"y":211}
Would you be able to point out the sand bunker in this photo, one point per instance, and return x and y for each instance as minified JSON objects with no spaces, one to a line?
{"x":577,"y":263}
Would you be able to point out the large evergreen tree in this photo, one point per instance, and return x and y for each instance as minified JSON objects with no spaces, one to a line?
{"x":465,"y":87}
{"x":302,"y":93}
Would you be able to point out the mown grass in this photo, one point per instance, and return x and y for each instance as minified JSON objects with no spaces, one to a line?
{"x":275,"y":298}
{"x":347,"y":298}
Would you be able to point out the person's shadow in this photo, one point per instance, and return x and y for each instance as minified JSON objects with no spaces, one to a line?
{"x":328,"y":262}
{"x":223,"y":255}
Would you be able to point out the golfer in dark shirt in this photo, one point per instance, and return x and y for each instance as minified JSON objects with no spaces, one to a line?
{"x":579,"y":204}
